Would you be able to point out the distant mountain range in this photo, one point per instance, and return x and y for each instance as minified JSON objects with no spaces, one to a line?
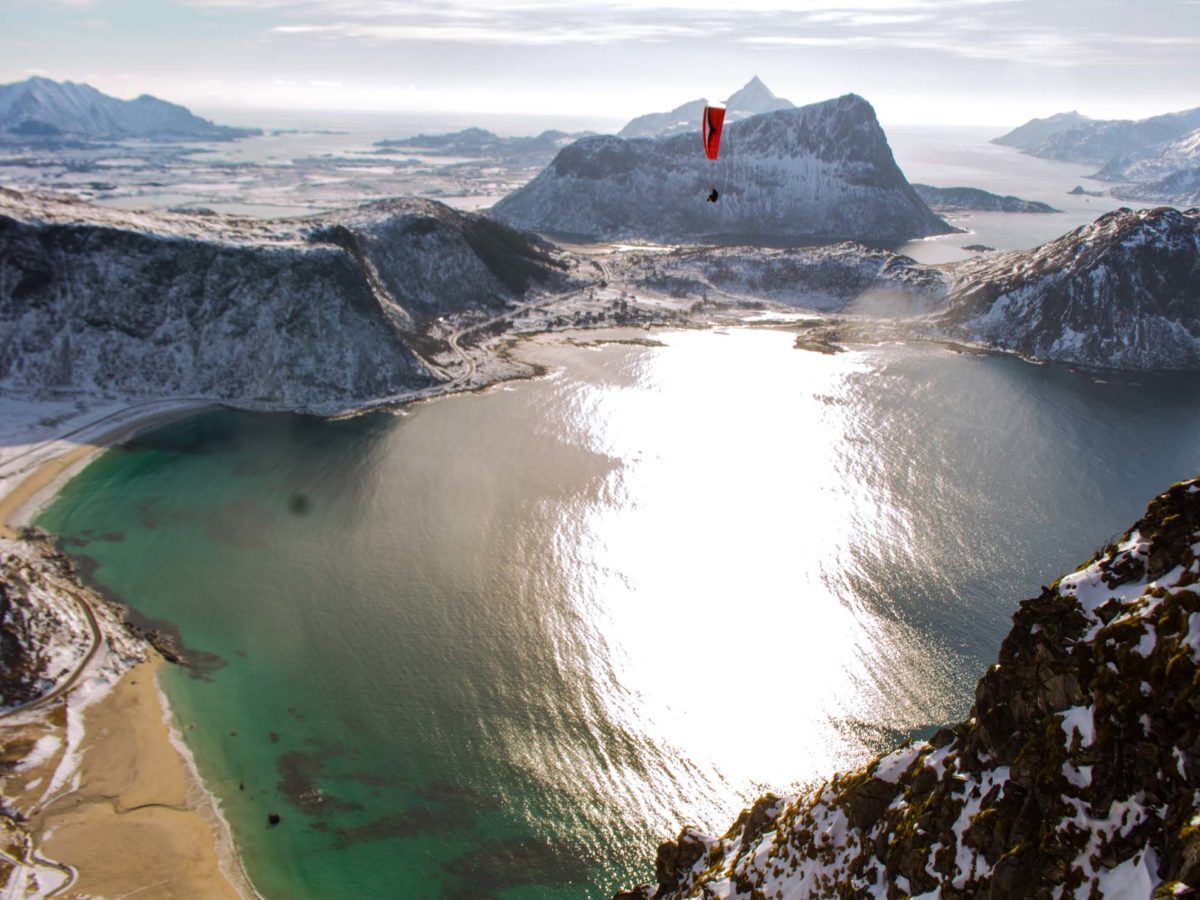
{"x":1156,"y":159}
{"x":752,"y":99}
{"x":823,"y":171}
{"x":1076,"y":138}
{"x":40,"y":109}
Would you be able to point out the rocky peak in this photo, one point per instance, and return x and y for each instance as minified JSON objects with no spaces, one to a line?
{"x":755,"y":97}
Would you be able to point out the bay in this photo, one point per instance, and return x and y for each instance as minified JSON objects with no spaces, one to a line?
{"x":503,"y":644}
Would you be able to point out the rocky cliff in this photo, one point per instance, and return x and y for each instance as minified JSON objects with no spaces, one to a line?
{"x":330,"y":310}
{"x":1123,"y":292}
{"x":1077,"y":773}
{"x":823,"y":171}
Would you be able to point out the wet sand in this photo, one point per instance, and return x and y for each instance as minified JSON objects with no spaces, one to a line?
{"x":140,"y":820}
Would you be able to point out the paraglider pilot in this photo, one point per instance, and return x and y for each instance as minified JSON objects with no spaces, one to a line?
{"x":712,"y":198}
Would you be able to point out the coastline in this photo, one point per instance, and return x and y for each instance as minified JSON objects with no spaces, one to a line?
{"x":111,"y":795}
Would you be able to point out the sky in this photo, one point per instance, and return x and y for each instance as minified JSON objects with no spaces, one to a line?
{"x":966,"y":62}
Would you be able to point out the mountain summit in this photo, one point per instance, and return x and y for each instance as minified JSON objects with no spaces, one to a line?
{"x":819,"y":172}
{"x":751,"y":99}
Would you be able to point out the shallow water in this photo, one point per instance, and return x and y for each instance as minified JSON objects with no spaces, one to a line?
{"x":505,"y":643}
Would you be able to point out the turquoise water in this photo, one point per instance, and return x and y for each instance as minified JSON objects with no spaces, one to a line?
{"x":504,"y":644}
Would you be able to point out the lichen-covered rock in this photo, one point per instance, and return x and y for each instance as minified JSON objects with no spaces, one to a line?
{"x":1076,"y":775}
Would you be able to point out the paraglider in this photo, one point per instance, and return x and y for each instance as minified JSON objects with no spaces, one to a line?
{"x":710,"y":132}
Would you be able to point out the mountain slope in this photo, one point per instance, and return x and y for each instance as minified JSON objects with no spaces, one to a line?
{"x":1123,"y":292}
{"x":308,"y":313}
{"x":40,"y":107}
{"x":1077,"y":773}
{"x":1098,"y":141}
{"x":1035,"y":132}
{"x":751,"y":99}
{"x":823,"y":171}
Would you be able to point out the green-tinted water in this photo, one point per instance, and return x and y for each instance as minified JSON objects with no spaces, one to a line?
{"x":503,"y":645}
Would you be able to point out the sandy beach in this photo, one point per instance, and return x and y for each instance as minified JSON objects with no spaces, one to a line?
{"x":113,"y":802}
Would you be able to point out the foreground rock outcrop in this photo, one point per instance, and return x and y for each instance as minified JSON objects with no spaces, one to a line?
{"x":308,"y":312}
{"x":1076,"y":774}
{"x":823,"y":171}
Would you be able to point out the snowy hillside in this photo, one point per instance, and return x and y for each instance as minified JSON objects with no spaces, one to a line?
{"x":823,"y":172}
{"x":1123,"y":292}
{"x":308,"y":313}
{"x":842,"y":277}
{"x":751,"y":99}
{"x":1076,"y":774}
{"x":40,"y":107}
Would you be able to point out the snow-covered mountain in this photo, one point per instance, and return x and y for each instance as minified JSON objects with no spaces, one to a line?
{"x":40,"y":108}
{"x":752,"y":99}
{"x":1069,"y":136}
{"x":1123,"y":292}
{"x":820,"y":172}
{"x":312,"y":313}
{"x":1076,"y":774}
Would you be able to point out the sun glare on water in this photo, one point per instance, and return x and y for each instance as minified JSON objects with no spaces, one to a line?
{"x":710,"y":575}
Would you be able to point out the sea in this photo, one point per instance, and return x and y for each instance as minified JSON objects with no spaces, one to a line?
{"x":502,"y":644}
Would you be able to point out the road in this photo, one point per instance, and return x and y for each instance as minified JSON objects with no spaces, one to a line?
{"x":66,"y":685}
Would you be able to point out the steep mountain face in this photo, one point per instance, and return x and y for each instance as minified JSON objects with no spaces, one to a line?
{"x":309,"y":313}
{"x":1076,"y":775}
{"x":823,"y":171}
{"x":40,"y":107}
{"x":1098,"y":141}
{"x":751,"y":99}
{"x":965,"y":199}
{"x":1123,"y":292}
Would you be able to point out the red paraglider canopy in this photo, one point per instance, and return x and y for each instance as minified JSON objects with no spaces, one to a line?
{"x":710,"y":129}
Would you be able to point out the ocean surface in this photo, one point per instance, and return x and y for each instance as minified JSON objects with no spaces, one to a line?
{"x":503,"y":644}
